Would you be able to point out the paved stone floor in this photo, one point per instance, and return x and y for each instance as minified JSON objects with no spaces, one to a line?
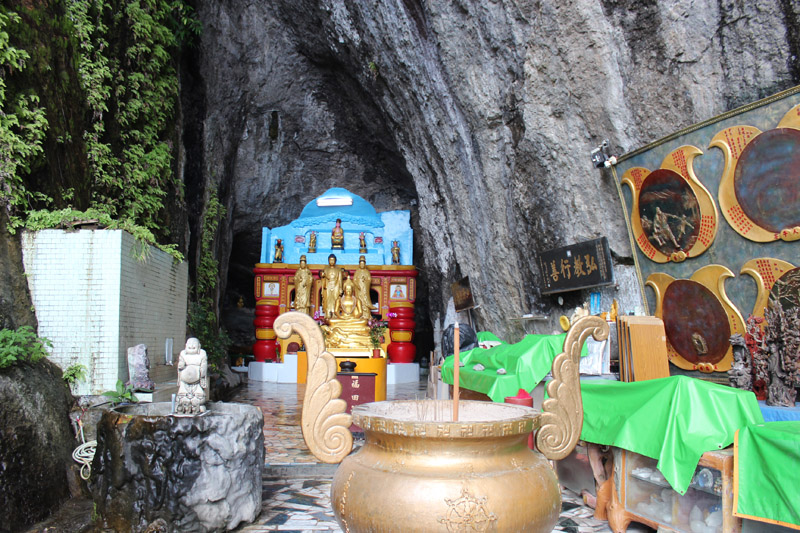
{"x":297,"y":488}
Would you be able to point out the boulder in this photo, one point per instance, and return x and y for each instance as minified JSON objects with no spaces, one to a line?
{"x":36,"y":442}
{"x":155,"y":471}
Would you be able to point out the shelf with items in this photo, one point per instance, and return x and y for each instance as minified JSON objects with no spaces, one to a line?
{"x":641,"y":494}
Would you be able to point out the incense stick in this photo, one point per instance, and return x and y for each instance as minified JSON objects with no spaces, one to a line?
{"x":456,"y":370}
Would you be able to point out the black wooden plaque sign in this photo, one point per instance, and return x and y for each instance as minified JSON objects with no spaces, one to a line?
{"x":462,"y":295}
{"x":577,"y":266}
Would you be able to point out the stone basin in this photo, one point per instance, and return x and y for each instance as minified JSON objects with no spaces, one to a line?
{"x":178,"y":473}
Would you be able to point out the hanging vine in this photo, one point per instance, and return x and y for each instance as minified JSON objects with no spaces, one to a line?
{"x":22,"y":126}
{"x":202,"y":313}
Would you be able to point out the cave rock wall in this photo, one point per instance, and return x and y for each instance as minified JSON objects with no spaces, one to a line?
{"x":478,"y":116}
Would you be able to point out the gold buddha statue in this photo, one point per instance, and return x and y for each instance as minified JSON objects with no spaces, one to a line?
{"x":363,"y":281}
{"x":302,"y":287}
{"x":346,"y":329}
{"x":331,"y":286}
{"x":337,"y":236}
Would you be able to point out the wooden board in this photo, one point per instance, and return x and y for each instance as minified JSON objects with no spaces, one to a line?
{"x":642,"y":348}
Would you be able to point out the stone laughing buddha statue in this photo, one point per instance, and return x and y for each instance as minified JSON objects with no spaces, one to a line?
{"x":192,"y":379}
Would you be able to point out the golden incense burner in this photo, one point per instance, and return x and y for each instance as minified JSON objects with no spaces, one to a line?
{"x":419,"y":470}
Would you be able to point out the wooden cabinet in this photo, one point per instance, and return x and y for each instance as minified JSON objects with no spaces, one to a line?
{"x":640,"y":494}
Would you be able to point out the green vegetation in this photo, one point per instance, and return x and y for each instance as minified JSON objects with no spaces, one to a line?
{"x":202,"y":316}
{"x":67,"y":218}
{"x":21,"y":345}
{"x":122,"y":394}
{"x":203,"y":323}
{"x":87,"y":109}
{"x":88,"y":98}
{"x":22,"y":123}
{"x":75,"y":373}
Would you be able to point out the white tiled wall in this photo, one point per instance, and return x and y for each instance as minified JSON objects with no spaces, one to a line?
{"x":94,"y":299}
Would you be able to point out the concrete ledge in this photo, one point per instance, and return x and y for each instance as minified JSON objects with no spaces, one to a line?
{"x":285,"y":372}
{"x":262,"y":371}
{"x":402,"y":373}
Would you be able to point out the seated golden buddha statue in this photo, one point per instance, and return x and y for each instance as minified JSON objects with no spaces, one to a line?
{"x":346,"y":329}
{"x":337,"y":236}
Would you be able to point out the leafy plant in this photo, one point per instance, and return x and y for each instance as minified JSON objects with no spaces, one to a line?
{"x":213,"y":339}
{"x":208,"y":269}
{"x":127,"y":70}
{"x":123,"y":393}
{"x":377,"y":328}
{"x":21,"y":345}
{"x":75,"y":373}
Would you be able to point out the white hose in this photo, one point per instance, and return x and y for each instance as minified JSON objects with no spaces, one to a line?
{"x":84,"y":454}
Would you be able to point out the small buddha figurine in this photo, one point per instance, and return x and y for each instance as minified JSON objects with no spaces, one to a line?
{"x":395,"y":253}
{"x":192,"y":379}
{"x":312,"y":242}
{"x":278,"y":252}
{"x":337,"y":236}
{"x":362,"y":243}
{"x":612,"y":314}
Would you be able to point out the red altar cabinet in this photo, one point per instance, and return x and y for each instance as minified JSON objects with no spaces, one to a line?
{"x":357,"y":388}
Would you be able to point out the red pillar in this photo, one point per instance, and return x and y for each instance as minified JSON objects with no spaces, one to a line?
{"x":266,"y":343}
{"x":401,"y":333}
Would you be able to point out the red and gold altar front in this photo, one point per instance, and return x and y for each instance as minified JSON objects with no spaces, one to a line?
{"x":393,"y":291}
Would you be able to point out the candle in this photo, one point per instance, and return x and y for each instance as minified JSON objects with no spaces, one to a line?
{"x":456,"y":369}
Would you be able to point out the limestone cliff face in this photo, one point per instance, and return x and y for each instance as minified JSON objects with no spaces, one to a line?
{"x":477,"y":115}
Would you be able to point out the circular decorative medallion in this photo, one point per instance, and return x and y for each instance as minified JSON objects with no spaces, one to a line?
{"x":787,"y":289}
{"x":767,"y":179}
{"x":695,"y":322}
{"x":669,"y":212}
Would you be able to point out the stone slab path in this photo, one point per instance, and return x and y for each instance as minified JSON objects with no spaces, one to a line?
{"x":296,"y":495}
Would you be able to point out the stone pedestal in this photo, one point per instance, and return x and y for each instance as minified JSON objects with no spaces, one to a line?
{"x":178,"y":473}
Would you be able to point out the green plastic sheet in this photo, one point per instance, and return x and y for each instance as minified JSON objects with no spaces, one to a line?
{"x":673,"y":420}
{"x":767,"y":473}
{"x":526,"y":363}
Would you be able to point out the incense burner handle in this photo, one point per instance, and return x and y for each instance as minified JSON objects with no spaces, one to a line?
{"x":562,"y":412}
{"x":325,"y":424}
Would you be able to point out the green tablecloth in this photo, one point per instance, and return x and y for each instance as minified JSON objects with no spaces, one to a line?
{"x":767,"y":473}
{"x":526,"y":363}
{"x":673,"y":420}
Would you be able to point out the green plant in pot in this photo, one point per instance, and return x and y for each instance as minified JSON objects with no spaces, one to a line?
{"x":377,"y":328}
